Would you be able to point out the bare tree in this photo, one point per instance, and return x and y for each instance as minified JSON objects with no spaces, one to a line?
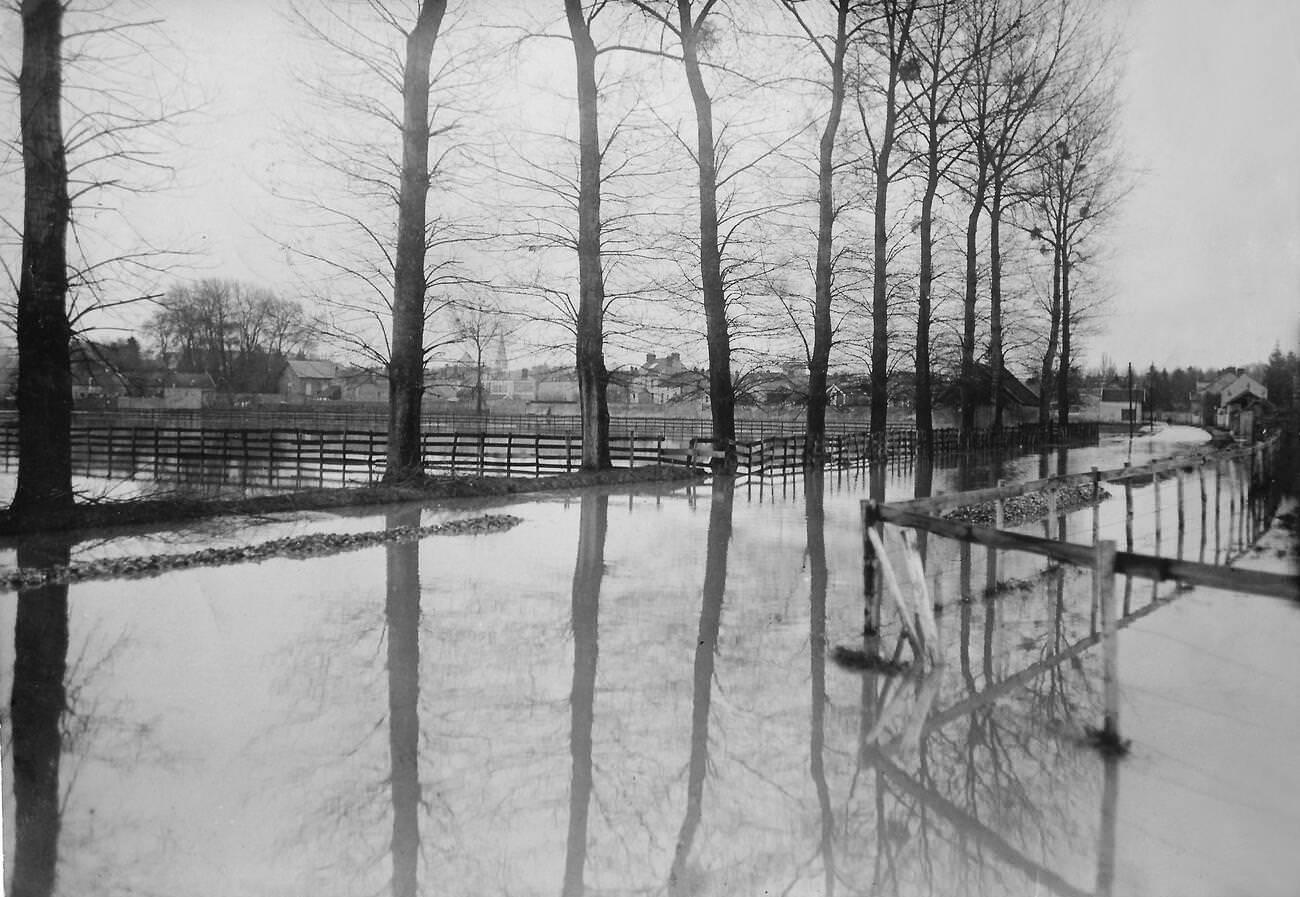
{"x":832,"y":52}
{"x":590,"y":351}
{"x":1080,"y":183}
{"x":983,"y":22}
{"x":237,"y":333}
{"x":44,"y":332}
{"x":932,"y":44}
{"x":1018,"y":90}
{"x":479,"y":325}
{"x":406,"y":369}
{"x":892,"y":43}
{"x":401,"y":279}
{"x":693,"y":30}
{"x":942,"y":66}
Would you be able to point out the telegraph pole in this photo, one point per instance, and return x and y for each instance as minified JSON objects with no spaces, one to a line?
{"x":1130,"y":400}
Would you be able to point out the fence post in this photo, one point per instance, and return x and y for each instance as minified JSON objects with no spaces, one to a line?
{"x":1155,"y":486}
{"x":537,"y":455}
{"x":1103,"y":591}
{"x":1128,"y":510}
{"x":870,"y":518}
{"x":991,"y":559}
{"x":1096,"y":505}
{"x":510,"y":442}
{"x":1218,"y":502}
{"x":1182,"y":520}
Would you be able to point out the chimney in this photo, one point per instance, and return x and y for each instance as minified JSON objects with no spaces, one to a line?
{"x":649,"y":358}
{"x":675,"y":358}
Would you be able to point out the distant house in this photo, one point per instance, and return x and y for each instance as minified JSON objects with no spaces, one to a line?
{"x":188,"y":390}
{"x":307,"y":378}
{"x":438,"y":391}
{"x":659,"y":377}
{"x":360,"y":385}
{"x":1120,"y":405}
{"x":1019,"y":402}
{"x":508,"y":384}
{"x":1232,"y":385}
{"x":93,"y":375}
{"x":1240,"y":403}
{"x":558,"y":385}
{"x":627,"y":387}
{"x":783,"y":387}
{"x":848,"y":393}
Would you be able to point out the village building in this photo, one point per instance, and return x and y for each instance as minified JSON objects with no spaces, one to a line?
{"x":1121,"y":405}
{"x":307,"y":379}
{"x":188,"y":390}
{"x":1019,"y":402}
{"x":362,"y":385}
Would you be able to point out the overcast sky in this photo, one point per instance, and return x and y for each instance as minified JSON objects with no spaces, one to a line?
{"x":1205,"y":266}
{"x":1207,"y":254}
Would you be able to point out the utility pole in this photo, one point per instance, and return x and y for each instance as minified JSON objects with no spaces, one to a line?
{"x":1130,"y":400}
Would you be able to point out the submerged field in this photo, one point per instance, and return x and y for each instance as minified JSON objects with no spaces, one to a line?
{"x":632,"y":691}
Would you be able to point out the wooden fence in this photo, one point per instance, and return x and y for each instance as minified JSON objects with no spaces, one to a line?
{"x":330,"y":454}
{"x":362,"y":419}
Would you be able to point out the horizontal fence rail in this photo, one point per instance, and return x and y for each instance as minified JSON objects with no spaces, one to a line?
{"x":123,"y":445}
{"x":1248,"y":505}
{"x":364,"y":418}
{"x":1152,"y":567}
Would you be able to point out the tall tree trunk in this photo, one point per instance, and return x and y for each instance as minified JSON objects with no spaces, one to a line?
{"x":967,"y":373}
{"x":406,"y":367}
{"x":590,"y":350}
{"x":44,"y":334}
{"x":995,"y":303}
{"x":722,"y":395}
{"x":819,"y":362}
{"x":1063,"y":377}
{"x":880,"y":266}
{"x":36,"y":710}
{"x":1053,"y":336}
{"x":925,"y":290}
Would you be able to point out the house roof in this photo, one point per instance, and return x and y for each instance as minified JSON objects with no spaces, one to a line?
{"x":191,"y":381}
{"x":1121,"y":396}
{"x":1223,"y":380}
{"x":1244,"y":399}
{"x":312,"y":368}
{"x":1013,"y":390}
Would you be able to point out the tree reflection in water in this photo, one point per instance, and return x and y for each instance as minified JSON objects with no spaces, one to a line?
{"x":402,"y":618}
{"x":682,"y":876}
{"x":36,"y":711}
{"x":588,"y":572}
{"x":815,"y":518}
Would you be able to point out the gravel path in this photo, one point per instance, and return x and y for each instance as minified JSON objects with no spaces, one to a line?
{"x":139,"y":566}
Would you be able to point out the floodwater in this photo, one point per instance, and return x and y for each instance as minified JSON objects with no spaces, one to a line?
{"x":633,"y":692}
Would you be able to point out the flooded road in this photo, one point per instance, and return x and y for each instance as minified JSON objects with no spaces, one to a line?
{"x":633,"y":692}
